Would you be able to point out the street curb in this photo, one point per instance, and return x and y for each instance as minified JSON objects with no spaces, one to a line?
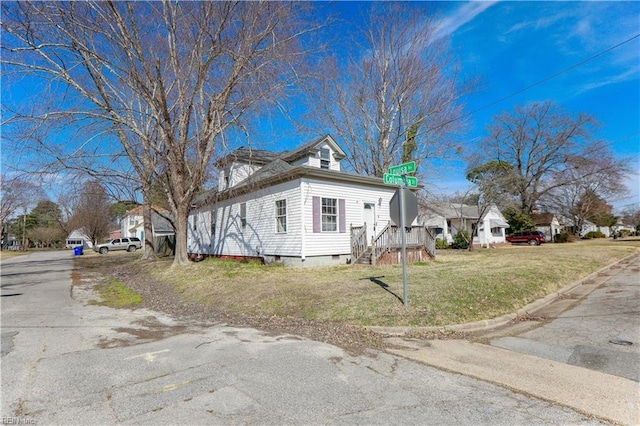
{"x":504,"y":319}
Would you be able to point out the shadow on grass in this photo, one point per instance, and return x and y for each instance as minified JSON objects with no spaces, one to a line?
{"x":383,"y":285}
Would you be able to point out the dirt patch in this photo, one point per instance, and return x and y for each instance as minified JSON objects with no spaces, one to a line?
{"x":150,"y":330}
{"x":162,"y":297}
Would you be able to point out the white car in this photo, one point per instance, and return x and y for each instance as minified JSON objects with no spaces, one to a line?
{"x":128,"y":244}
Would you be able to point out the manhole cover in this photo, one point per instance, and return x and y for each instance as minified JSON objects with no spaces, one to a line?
{"x":621,"y":342}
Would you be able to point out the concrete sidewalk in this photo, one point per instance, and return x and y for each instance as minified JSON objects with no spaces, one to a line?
{"x":590,"y":392}
{"x":582,"y":315}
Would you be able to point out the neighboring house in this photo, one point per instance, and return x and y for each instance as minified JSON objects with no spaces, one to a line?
{"x":116,"y":233}
{"x":621,"y":226}
{"x":569,"y":226}
{"x":132,"y":225}
{"x":547,"y":223}
{"x":445,"y":220}
{"x":295,"y":207}
{"x":78,"y":238}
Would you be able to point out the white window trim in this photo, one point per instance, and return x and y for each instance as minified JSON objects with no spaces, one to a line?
{"x":322,"y":215}
{"x":278,"y":216}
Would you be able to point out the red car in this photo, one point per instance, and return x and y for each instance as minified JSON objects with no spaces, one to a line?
{"x":533,"y":238}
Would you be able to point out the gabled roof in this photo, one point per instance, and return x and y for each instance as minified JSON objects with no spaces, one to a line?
{"x":248,"y":155}
{"x":542,"y":219}
{"x":79,"y":233}
{"x":262,"y":157}
{"x":160,"y":223}
{"x":312,"y":148}
{"x":454,"y":210}
{"x":276,"y":167}
{"x":138,"y":211}
{"x":270,"y":178}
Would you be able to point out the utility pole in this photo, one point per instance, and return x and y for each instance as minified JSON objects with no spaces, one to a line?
{"x":24,"y":230}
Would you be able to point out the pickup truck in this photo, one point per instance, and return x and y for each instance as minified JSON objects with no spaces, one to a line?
{"x":533,"y":238}
{"x":128,"y":244}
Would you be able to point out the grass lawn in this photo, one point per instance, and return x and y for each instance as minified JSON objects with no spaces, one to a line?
{"x":8,"y":254}
{"x":458,"y":287}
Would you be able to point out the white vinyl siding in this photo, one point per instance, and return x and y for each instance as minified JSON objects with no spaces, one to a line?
{"x":300,"y":239}
{"x":353,"y":196}
{"x":258,"y":238}
{"x":235,"y":174}
{"x":243,"y":216}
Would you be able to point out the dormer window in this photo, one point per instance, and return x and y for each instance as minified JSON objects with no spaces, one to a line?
{"x":325,"y":160}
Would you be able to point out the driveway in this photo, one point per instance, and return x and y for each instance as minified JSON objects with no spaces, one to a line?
{"x":65,"y":361}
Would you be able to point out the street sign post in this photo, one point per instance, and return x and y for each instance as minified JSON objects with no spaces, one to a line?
{"x":397,"y":175}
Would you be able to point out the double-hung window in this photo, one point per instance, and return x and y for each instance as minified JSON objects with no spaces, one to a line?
{"x":329,"y":215}
{"x":281,"y":215}
{"x":325,"y":161}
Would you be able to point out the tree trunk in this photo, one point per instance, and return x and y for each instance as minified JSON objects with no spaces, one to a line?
{"x":473,"y":232}
{"x":149,"y":250}
{"x":181,"y":224}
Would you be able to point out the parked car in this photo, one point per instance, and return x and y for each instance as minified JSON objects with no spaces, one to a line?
{"x":128,"y":244}
{"x":532,"y":238}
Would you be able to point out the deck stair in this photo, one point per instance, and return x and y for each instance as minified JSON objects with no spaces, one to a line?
{"x":386,"y":246}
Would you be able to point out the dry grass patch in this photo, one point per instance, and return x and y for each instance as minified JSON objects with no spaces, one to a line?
{"x":458,"y":287}
{"x":8,"y":254}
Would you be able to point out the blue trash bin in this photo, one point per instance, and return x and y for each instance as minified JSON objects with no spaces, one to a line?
{"x":77,"y":251}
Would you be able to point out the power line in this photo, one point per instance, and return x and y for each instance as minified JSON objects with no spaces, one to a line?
{"x":544,"y":80}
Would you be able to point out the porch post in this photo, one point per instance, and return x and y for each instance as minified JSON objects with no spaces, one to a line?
{"x":373,"y":252}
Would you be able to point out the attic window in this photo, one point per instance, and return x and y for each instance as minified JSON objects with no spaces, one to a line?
{"x":324,"y":158}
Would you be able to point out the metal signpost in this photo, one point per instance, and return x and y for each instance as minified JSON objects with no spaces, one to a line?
{"x":397,"y":176}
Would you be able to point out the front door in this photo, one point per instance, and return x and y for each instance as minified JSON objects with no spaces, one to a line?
{"x":369,"y":218}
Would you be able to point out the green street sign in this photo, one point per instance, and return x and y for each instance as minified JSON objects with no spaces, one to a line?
{"x":403,"y":169}
{"x":391,"y":179}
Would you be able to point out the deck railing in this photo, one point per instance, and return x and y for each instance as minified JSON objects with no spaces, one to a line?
{"x":390,"y":238}
{"x":358,"y":242}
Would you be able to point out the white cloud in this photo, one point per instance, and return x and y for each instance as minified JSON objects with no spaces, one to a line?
{"x":466,"y":13}
{"x":626,"y":75}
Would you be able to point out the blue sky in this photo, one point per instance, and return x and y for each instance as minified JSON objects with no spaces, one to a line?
{"x":510,"y":46}
{"x":513,"y":45}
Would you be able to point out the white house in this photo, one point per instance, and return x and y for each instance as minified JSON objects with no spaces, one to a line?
{"x":445,"y":220}
{"x":547,"y":223}
{"x":78,"y":238}
{"x":568,"y":224}
{"x":132,"y":225}
{"x":295,"y":207}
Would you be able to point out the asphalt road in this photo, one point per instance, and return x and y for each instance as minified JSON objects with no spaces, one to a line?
{"x":65,"y":361}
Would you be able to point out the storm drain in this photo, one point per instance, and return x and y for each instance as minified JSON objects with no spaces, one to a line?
{"x":621,"y":342}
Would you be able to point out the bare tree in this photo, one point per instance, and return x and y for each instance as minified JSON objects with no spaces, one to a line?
{"x":92,"y":211}
{"x":400,"y":87}
{"x":631,"y":216}
{"x":15,"y":194}
{"x":546,"y":148}
{"x":46,"y":236}
{"x":587,"y":183}
{"x":169,"y":80}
